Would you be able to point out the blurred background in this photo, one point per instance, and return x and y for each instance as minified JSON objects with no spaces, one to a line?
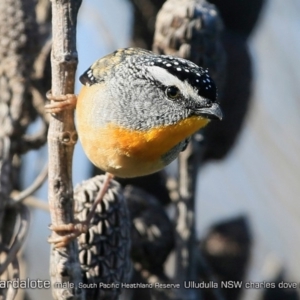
{"x":255,"y":186}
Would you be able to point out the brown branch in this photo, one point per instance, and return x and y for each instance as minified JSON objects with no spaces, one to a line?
{"x":189,"y":163}
{"x":62,"y":137}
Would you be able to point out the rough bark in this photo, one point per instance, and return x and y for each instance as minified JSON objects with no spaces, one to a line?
{"x":62,"y":136}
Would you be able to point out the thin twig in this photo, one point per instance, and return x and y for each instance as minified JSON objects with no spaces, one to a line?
{"x":41,"y":60}
{"x":36,"y":203}
{"x":40,"y":179}
{"x":38,"y":101}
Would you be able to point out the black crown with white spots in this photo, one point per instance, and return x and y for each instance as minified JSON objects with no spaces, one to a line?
{"x":185,"y":70}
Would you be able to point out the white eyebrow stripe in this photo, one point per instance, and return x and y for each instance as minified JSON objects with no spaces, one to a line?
{"x":167,"y":79}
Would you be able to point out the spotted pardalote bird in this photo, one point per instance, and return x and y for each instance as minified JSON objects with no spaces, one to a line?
{"x":136,"y":110}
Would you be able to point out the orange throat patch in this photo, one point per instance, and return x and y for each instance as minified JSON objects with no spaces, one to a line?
{"x":152,"y":144}
{"x":112,"y":145}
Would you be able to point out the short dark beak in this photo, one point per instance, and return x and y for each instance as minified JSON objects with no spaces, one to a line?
{"x":213,"y":113}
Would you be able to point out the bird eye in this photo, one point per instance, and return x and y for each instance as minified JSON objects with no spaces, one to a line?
{"x":172,"y":92}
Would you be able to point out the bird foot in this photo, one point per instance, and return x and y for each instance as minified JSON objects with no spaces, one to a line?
{"x":73,"y":230}
{"x":76,"y":229}
{"x":60,"y":103}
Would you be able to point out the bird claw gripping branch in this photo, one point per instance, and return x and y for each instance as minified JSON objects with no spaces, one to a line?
{"x":74,"y":230}
{"x":60,"y":103}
